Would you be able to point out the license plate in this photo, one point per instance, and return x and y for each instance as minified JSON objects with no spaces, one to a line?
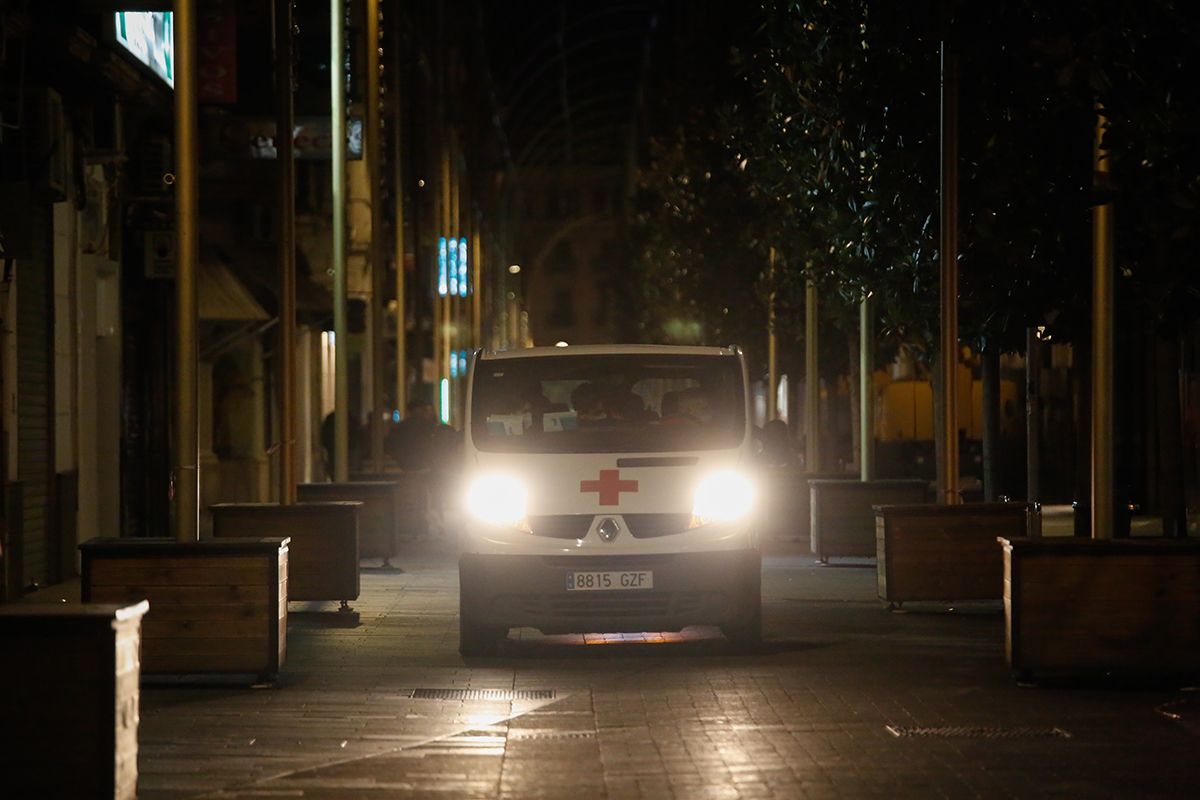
{"x":605,"y":581}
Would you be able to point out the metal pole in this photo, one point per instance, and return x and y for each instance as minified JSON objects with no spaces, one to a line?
{"x":866,"y":387}
{"x":1033,"y":416}
{"x":453,"y":303}
{"x":1102,"y":345}
{"x":187,"y":257}
{"x":284,"y":118}
{"x":772,"y":343}
{"x":476,"y":286}
{"x":812,"y":385}
{"x":398,"y":165}
{"x":948,"y":262}
{"x":443,"y":304}
{"x":337,"y":86}
{"x":374,"y":155}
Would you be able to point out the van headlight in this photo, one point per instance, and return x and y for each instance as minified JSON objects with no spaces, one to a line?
{"x":724,"y":496}
{"x":498,"y":500}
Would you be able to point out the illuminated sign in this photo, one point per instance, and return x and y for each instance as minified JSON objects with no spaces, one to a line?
{"x":442,"y":287}
{"x":462,"y":267}
{"x":458,"y":364}
{"x":453,"y":268}
{"x":312,"y":138}
{"x":216,"y":51}
{"x":150,"y":37}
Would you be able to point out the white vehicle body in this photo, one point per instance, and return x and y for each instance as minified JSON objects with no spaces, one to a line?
{"x":581,"y":519}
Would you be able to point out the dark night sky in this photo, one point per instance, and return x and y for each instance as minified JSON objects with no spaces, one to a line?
{"x":571,"y":77}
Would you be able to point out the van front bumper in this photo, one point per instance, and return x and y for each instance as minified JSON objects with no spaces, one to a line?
{"x":705,"y":588}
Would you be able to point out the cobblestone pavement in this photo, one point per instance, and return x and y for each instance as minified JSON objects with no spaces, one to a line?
{"x":845,"y":700}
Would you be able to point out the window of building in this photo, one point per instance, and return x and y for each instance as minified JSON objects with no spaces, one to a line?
{"x":561,"y":260}
{"x":562,"y":309}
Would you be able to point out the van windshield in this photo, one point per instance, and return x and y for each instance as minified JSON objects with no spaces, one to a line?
{"x":608,"y":404}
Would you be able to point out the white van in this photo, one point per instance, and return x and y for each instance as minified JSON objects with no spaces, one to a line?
{"x":608,"y":489}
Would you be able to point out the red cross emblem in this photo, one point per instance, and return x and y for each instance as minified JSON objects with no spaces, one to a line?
{"x":609,"y":486}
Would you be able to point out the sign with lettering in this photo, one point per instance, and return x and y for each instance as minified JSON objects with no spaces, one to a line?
{"x":241,"y":137}
{"x":216,"y":33}
{"x":150,"y":37}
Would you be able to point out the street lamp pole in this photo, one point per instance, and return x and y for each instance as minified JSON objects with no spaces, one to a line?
{"x":948,"y":264}
{"x":772,"y":343}
{"x":812,"y":381}
{"x":398,"y":166}
{"x":374,"y":155}
{"x":337,"y":86}
{"x":1102,"y":345}
{"x":476,"y":284}
{"x":866,"y":387}
{"x":284,"y":120}
{"x":187,"y":214}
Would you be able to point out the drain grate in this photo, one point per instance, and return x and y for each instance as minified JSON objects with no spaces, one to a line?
{"x":978,"y":732}
{"x":482,"y":694}
{"x":543,"y":735}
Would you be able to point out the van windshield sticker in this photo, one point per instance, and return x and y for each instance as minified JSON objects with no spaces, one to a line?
{"x":560,"y":421}
{"x":508,"y":424}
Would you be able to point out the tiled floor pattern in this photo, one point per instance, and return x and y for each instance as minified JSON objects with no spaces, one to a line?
{"x":662,"y":715}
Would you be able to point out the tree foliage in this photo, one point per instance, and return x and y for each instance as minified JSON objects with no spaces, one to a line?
{"x":829,"y":151}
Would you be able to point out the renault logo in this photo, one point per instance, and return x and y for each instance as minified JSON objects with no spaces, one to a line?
{"x":608,"y":529}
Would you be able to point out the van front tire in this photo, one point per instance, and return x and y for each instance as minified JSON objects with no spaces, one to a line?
{"x":478,"y":641}
{"x":475,"y":640}
{"x":745,"y":633}
{"x":746,"y":636}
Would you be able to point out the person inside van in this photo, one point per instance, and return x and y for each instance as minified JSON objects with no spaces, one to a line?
{"x":587,"y":400}
{"x":670,"y":408}
{"x":686,"y":407}
{"x":626,"y":407}
{"x":696,"y":406}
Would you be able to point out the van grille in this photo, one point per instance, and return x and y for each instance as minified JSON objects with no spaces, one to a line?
{"x":650,"y":526}
{"x":561,"y":526}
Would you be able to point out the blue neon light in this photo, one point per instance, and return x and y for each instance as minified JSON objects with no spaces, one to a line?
{"x":463,"y":284}
{"x":442,"y":267}
{"x":462,"y":362}
{"x":452,"y":269}
{"x":445,"y":401}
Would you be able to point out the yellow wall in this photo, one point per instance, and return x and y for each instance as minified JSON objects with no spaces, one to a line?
{"x":904,"y":409}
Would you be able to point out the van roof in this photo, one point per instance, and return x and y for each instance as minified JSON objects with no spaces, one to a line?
{"x":610,"y":349}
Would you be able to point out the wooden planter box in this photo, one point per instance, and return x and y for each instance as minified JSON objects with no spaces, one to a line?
{"x":843,"y":515}
{"x":323,"y":558}
{"x":378,"y":519}
{"x":70,"y":705}
{"x":945,"y":553}
{"x":1085,"y":607}
{"x":214,"y":606}
{"x":412,"y":499}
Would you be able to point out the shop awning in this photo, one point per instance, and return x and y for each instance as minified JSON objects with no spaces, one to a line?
{"x":222,"y":297}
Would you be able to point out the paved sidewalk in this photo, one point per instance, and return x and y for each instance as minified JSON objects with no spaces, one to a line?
{"x":815,"y":714}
